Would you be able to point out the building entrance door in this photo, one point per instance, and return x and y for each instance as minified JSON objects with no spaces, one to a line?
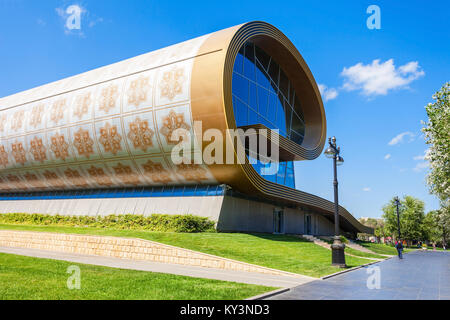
{"x":278,"y":221}
{"x":308,"y":224}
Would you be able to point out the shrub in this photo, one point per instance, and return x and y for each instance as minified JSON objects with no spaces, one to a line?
{"x":155,"y":222}
{"x":344,"y":240}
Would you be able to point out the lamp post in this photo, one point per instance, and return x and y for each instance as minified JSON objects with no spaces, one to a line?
{"x":337,"y":248}
{"x":397,"y":204}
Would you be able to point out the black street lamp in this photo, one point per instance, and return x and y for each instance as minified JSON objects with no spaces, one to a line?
{"x":397,"y":203}
{"x":337,"y":248}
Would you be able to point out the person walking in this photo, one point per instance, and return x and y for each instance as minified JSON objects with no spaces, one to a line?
{"x":399,"y":247}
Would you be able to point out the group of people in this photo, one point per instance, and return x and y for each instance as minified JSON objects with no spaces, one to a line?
{"x":399,"y":246}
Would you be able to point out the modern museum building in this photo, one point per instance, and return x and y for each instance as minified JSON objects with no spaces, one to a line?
{"x":102,"y":142}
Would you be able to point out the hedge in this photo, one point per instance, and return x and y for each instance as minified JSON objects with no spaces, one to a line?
{"x":155,"y":222}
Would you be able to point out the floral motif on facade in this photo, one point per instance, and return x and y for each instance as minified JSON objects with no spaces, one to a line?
{"x":108,"y":98}
{"x":82,"y":104}
{"x":34,"y":180}
{"x":138,"y":91}
{"x":110,"y":138}
{"x":16,"y":181}
{"x":3,"y":119}
{"x":4,"y":160}
{"x":126,"y":174}
{"x":192,"y":172}
{"x":36,"y":115}
{"x":17,"y":120}
{"x":140,"y":134}
{"x":156,"y":172}
{"x":38,"y":150}
{"x":53,"y":179}
{"x":83,"y":143}
{"x":19,"y":152}
{"x":75,"y":178}
{"x":59,"y":146}
{"x":57,"y":111}
{"x":172,"y":83}
{"x":172,"y":122}
{"x":100,"y":177}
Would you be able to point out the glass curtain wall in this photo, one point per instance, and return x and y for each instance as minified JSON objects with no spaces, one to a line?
{"x":263,"y":94}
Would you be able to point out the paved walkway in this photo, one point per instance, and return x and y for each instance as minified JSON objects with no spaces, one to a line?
{"x":419,"y":275}
{"x":191,"y":271}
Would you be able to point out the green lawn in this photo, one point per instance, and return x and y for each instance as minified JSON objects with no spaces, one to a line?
{"x":363,"y":254}
{"x":381,"y":248}
{"x":26,"y":278}
{"x":281,"y":252}
{"x":357,"y":252}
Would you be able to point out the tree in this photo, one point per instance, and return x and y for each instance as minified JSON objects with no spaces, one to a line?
{"x":430,"y":227}
{"x":437,"y":225}
{"x":377,"y":225}
{"x":412,"y":216}
{"x":437,"y":135}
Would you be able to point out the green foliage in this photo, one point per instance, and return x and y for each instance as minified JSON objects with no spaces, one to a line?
{"x":344,"y":239}
{"x":437,"y":225}
{"x":437,"y":135}
{"x":377,"y":225}
{"x":411,"y":218}
{"x":155,"y":222}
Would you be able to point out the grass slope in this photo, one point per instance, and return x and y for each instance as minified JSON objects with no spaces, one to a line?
{"x":281,"y":252}
{"x":363,"y":254}
{"x":381,"y":248}
{"x":27,"y":278}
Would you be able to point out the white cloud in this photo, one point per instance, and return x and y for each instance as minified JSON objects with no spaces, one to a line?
{"x":328,"y":93}
{"x":41,"y":22}
{"x":94,"y":22}
{"x":420,"y":166}
{"x":419,"y":158}
{"x":378,"y":78}
{"x":387,"y":157}
{"x":366,"y":189}
{"x":399,"y":138}
{"x":422,"y":157}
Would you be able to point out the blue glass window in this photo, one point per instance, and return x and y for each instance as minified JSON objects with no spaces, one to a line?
{"x":263,"y":94}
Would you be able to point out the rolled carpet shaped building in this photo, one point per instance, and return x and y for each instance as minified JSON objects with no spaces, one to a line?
{"x":82,"y":144}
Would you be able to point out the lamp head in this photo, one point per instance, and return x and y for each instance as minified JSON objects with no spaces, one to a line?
{"x":329,"y":152}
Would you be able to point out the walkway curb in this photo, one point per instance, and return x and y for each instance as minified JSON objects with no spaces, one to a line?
{"x":269,"y":294}
{"x":352,"y":269}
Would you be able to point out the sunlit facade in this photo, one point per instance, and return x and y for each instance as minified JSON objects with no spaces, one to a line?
{"x":83,"y":144}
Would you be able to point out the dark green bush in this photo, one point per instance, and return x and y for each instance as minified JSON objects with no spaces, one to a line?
{"x":155,"y":222}
{"x":344,"y":239}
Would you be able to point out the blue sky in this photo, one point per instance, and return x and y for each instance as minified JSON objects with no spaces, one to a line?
{"x":374,"y":105}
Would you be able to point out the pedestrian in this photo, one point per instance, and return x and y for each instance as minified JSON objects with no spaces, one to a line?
{"x":399,"y":247}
